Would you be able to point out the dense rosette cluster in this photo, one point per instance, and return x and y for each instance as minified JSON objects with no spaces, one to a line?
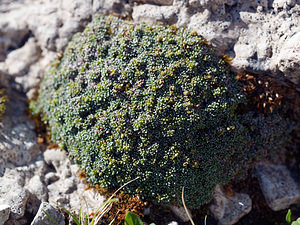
{"x":129,"y":100}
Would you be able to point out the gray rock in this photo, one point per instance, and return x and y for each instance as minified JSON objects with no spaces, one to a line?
{"x":51,"y":178}
{"x":180,"y":213}
{"x":20,"y":59}
{"x":157,"y":2}
{"x":147,"y":211}
{"x":261,"y":36}
{"x":35,"y":71}
{"x":18,"y":144}
{"x":112,"y":6}
{"x":283,"y":4}
{"x":42,"y":219}
{"x":4,"y":213}
{"x":58,"y":159}
{"x":278,"y":187}
{"x":229,"y":209}
{"x":287,"y":59}
{"x":153,"y":14}
{"x":173,"y":223}
{"x":12,"y":33}
{"x":14,"y":195}
{"x":33,"y":204}
{"x":38,"y":188}
{"x":22,"y":221}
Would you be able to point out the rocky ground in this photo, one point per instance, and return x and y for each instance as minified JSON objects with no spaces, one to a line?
{"x":262,"y":36}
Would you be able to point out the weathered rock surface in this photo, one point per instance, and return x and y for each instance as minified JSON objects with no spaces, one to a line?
{"x":279,"y":188}
{"x":4,"y":213}
{"x":64,"y":186}
{"x":19,"y":60}
{"x":153,"y":14}
{"x":229,"y":209}
{"x":14,"y":195}
{"x":257,"y":34}
{"x":37,"y":187}
{"x":42,"y":219}
{"x":18,"y":142}
{"x":261,"y":36}
{"x":180,"y":213}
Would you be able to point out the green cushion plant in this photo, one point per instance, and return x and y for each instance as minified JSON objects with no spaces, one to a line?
{"x":130,"y":100}
{"x":3,"y":99}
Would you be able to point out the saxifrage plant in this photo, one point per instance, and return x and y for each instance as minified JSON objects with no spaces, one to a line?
{"x":3,"y":99}
{"x":130,"y":100}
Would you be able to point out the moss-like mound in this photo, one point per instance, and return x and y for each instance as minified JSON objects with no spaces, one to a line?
{"x":3,"y":99}
{"x":130,"y":100}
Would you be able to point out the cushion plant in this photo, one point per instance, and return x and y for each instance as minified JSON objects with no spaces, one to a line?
{"x":129,"y":100}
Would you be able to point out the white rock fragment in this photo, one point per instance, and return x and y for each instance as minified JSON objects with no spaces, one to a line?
{"x":38,"y":188}
{"x":19,"y":60}
{"x":229,"y":209}
{"x":153,"y":14}
{"x":4,"y":213}
{"x":14,"y":195}
{"x":42,"y":219}
{"x":278,"y":187}
{"x":173,"y":223}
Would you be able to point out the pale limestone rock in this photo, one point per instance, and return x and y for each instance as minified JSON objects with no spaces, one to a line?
{"x":18,"y":145}
{"x":283,"y":4}
{"x":278,"y":187}
{"x":287,"y":59}
{"x":13,"y":195}
{"x":120,"y":7}
{"x":42,"y":219}
{"x":57,"y":158}
{"x":4,"y":213}
{"x":173,"y":223}
{"x":229,"y":209}
{"x":13,"y":31}
{"x":34,"y":74}
{"x":38,"y":188}
{"x":153,"y":14}
{"x":20,"y":59}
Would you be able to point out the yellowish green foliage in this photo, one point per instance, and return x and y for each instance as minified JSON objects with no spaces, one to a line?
{"x":130,"y":100}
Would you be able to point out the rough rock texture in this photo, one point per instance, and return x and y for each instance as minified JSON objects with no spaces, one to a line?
{"x":154,"y":14}
{"x":261,"y":36}
{"x":14,"y":195}
{"x":4,"y":213}
{"x":229,"y":209}
{"x":18,"y":145}
{"x":63,"y":185}
{"x":279,"y":188}
{"x":42,"y":219}
{"x":180,"y":213}
{"x":51,"y":177}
